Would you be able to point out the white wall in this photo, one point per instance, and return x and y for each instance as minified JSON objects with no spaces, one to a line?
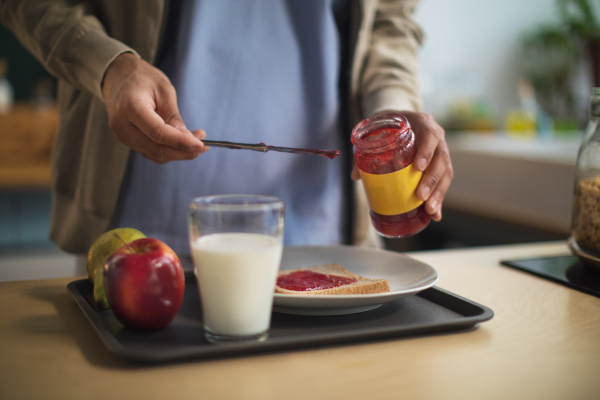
{"x":472,"y":46}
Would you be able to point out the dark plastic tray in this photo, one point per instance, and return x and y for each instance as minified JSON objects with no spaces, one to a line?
{"x":432,"y":310}
{"x":567,"y":270}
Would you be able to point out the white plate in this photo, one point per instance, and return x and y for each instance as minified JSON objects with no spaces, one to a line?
{"x":406,"y":277}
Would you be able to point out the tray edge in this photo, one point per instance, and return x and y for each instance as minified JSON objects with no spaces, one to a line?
{"x":356,"y":336}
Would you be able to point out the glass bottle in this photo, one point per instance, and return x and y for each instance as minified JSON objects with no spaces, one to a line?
{"x":585,"y":223}
{"x":384,"y":150}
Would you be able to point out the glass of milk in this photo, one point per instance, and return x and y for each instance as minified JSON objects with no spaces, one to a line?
{"x":236,"y":243}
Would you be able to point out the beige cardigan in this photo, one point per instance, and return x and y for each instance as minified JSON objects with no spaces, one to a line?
{"x":77,"y":42}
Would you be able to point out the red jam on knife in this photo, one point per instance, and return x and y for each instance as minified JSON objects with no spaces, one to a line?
{"x":303,"y":281}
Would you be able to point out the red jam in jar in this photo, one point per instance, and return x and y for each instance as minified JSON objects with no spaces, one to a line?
{"x":306,"y":280}
{"x":384,"y":150}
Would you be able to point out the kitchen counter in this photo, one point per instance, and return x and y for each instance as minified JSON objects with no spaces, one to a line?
{"x":524,"y":181}
{"x":543,"y":343}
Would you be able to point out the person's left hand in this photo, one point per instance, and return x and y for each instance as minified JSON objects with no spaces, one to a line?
{"x":432,"y":157}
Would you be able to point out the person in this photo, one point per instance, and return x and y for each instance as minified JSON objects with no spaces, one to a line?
{"x":141,"y":84}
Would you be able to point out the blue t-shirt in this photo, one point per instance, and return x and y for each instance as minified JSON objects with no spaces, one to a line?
{"x":250,"y":71}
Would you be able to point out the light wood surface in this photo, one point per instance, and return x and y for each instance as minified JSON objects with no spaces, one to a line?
{"x":543,"y":343}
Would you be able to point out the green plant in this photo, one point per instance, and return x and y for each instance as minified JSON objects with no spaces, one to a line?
{"x":551,"y":56}
{"x":580,"y":19}
{"x":552,"y":53}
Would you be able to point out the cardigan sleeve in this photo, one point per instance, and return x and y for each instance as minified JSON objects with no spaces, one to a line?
{"x":390,"y":77}
{"x":65,"y":37}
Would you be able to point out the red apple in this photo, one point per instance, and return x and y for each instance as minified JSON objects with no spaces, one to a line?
{"x":144,"y":284}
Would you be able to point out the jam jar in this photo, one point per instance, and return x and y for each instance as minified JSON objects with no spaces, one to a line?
{"x":585,"y":223}
{"x":384,"y":150}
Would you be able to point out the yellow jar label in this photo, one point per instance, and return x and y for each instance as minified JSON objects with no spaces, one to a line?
{"x":394,"y":193}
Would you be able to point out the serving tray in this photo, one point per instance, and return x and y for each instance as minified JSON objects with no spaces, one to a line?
{"x":567,"y":270}
{"x":432,"y":310}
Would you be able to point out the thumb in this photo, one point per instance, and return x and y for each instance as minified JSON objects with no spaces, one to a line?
{"x":166,"y":107}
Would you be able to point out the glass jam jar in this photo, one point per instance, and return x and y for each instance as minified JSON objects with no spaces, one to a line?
{"x":585,"y":223}
{"x":384,"y":150}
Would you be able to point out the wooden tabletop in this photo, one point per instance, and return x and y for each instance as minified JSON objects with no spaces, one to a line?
{"x":543,"y":343}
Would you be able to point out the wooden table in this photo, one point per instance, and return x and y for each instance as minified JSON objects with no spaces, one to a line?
{"x":543,"y":343}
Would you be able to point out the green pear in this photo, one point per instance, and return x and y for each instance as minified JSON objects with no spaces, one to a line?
{"x":101,"y":249}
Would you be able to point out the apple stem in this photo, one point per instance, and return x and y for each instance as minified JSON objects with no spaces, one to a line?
{"x":125,"y":243}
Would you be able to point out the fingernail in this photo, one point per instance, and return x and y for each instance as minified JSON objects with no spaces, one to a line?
{"x":434,"y":205}
{"x":422,"y":164}
{"x":425,"y":192}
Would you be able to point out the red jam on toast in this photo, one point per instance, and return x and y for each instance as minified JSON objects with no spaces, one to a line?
{"x":306,"y":280}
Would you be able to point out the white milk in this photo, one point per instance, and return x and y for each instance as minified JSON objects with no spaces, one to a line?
{"x":236,"y":274}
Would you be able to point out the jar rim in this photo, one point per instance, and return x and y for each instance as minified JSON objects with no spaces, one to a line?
{"x":236,"y":202}
{"x":368,"y":125}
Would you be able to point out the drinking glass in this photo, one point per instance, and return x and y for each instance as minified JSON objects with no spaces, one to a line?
{"x":236,"y":242}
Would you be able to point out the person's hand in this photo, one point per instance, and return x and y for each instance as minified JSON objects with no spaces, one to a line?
{"x":142,"y":112}
{"x":432,"y":157}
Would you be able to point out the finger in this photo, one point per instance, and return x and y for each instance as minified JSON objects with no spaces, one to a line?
{"x":166,"y":106}
{"x":427,"y":141}
{"x":161,"y":154}
{"x":435,"y":171}
{"x":200,"y":134}
{"x":437,"y":216}
{"x":355,"y":175}
{"x":156,"y":129}
{"x":433,"y":205}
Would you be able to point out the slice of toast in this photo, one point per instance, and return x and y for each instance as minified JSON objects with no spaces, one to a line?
{"x":359,"y":286}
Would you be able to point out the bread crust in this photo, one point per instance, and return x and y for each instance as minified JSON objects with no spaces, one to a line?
{"x":360,"y":286}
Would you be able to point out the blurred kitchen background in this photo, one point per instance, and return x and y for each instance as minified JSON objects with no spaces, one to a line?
{"x":509,"y":80}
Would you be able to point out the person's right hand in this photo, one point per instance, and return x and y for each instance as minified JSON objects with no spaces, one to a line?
{"x":142,"y":112}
